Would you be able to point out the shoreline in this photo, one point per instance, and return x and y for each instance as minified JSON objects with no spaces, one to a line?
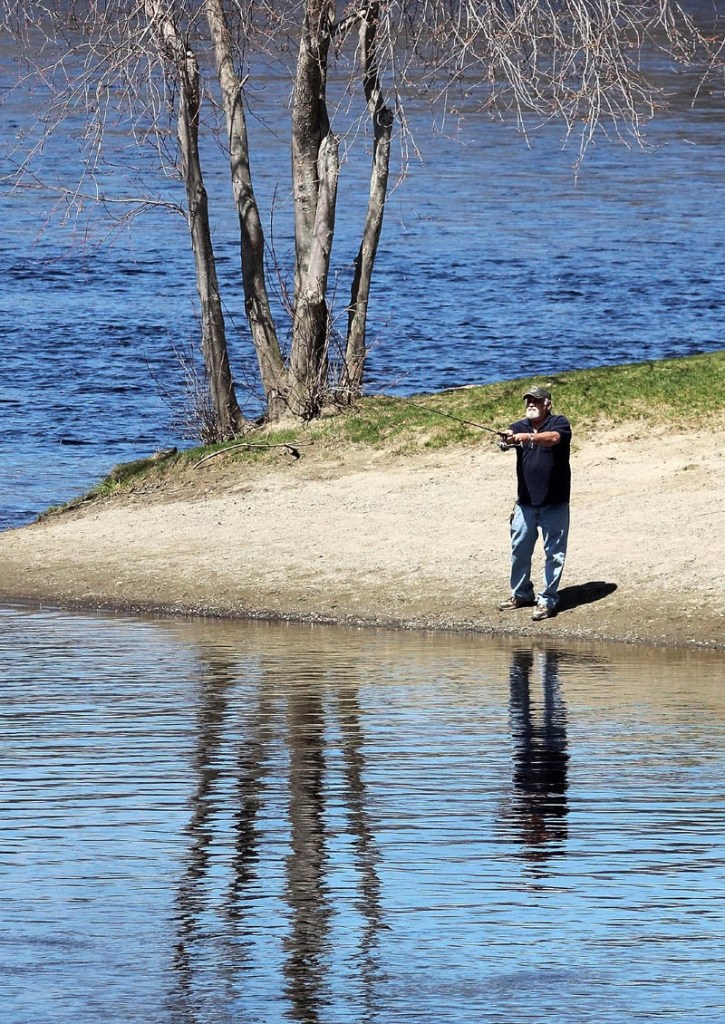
{"x":417,"y":542}
{"x":640,"y":639}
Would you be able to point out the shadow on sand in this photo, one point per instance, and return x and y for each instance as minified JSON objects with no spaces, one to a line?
{"x":584,"y":593}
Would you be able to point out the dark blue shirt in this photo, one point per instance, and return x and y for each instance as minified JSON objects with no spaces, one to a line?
{"x":543,"y":472}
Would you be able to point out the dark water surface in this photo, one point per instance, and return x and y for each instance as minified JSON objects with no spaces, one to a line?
{"x":496,"y":261}
{"x":210,"y":822}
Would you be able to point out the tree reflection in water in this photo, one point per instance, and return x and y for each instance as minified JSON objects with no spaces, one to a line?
{"x":191,"y":908}
{"x":261,"y":770}
{"x":307,"y":894}
{"x":366,"y":852}
{"x":538,"y":731}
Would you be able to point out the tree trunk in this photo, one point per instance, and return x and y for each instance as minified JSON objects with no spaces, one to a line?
{"x":259,"y":315}
{"x":315,"y":170}
{"x":382,"y":118}
{"x":228,"y":418}
{"x":308,"y":361}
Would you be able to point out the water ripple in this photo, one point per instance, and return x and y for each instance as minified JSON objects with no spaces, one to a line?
{"x":214,"y":822}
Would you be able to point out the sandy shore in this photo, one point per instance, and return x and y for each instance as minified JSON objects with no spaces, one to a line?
{"x":417,"y":541}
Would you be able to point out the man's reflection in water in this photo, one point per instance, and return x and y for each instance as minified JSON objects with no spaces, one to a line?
{"x":538,"y":730}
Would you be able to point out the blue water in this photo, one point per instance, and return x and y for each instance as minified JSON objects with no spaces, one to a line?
{"x":496,"y":261}
{"x":218,"y":822}
{"x":207,"y":823}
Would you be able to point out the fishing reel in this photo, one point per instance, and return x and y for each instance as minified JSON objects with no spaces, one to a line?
{"x":503,"y":446}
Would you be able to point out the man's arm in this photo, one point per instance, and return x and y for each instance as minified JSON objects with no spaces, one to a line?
{"x":547,"y":438}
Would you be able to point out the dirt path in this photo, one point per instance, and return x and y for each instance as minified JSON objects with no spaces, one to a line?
{"x":415,"y":541}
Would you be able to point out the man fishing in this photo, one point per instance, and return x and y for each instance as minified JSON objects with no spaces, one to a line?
{"x":543,"y":443}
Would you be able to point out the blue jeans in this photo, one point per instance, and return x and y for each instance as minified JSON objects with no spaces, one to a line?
{"x":527,"y":520}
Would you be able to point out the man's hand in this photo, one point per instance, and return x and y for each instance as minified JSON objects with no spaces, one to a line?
{"x":512,"y":439}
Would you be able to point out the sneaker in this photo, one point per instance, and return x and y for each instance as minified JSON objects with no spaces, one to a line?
{"x":515,"y":602}
{"x":542,"y":611}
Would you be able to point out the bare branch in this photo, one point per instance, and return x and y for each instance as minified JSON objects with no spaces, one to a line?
{"x":137,"y":82}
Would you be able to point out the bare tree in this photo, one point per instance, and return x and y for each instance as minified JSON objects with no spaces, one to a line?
{"x":264,"y":335}
{"x":175,"y":62}
{"x":227,"y":414}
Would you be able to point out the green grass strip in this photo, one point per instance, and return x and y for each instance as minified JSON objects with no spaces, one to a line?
{"x":679,"y":394}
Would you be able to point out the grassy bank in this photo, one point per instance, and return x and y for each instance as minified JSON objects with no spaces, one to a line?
{"x":668,"y":393}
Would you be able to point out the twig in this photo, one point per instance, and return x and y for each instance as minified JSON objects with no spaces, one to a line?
{"x":292,"y":449}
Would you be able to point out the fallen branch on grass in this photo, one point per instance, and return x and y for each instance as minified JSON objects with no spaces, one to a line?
{"x":292,"y":449}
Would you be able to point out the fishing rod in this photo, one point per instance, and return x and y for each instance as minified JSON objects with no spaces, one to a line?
{"x":501,"y":434}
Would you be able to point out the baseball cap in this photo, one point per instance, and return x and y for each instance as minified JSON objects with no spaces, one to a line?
{"x":537,"y":392}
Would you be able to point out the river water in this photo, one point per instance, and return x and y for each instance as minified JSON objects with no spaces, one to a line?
{"x":216,"y":822}
{"x":208,"y":822}
{"x":496,"y":261}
